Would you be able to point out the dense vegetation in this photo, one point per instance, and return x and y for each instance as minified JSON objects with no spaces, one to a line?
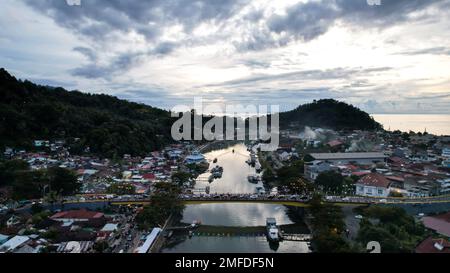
{"x":33,"y":184}
{"x":396,"y":231}
{"x":333,"y":182}
{"x":111,"y":127}
{"x":329,"y":113}
{"x":329,"y":228}
{"x":164,"y":202}
{"x":107,"y":125}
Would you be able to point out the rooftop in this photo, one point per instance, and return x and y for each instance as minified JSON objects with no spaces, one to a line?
{"x":431,"y":245}
{"x":374,"y":180}
{"x":347,"y":156}
{"x":439,"y":223}
{"x":77,"y":214}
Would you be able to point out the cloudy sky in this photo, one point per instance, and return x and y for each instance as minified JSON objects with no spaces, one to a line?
{"x":392,"y":58}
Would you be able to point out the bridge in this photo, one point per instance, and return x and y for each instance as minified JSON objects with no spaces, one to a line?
{"x":289,"y":200}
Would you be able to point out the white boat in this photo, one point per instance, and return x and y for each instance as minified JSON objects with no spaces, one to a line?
{"x":253,"y":179}
{"x":273,"y":233}
{"x":260,"y":190}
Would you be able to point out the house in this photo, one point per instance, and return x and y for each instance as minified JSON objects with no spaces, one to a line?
{"x":149,"y":177}
{"x":12,"y":221}
{"x":3,"y":239}
{"x":75,"y":247}
{"x":373,"y":184}
{"x":335,"y":144}
{"x":433,"y":245}
{"x":284,"y":156}
{"x":446,"y":153}
{"x":419,"y":186}
{"x":194,"y":158}
{"x":314,"y":168}
{"x":77,"y":216}
{"x":359,"y":158}
{"x":27,"y":249}
{"x":13,"y":243}
{"x":107,"y":230}
{"x":439,"y":224}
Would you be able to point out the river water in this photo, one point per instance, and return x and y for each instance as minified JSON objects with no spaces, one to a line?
{"x":235,"y":216}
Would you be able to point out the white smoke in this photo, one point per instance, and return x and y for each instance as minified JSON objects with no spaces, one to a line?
{"x":308,"y":134}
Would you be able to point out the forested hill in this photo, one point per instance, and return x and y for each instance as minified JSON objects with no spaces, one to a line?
{"x":107,"y":125}
{"x":112,"y":127}
{"x":329,"y":113}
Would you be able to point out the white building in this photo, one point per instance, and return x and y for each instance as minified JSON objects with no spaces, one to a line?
{"x":13,"y":243}
{"x":373,"y":184}
{"x":360,"y":158}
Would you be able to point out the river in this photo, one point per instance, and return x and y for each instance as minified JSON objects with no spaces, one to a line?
{"x":234,"y":220}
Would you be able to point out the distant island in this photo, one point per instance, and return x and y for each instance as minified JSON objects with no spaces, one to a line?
{"x":111,"y":127}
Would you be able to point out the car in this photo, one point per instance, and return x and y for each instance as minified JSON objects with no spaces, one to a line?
{"x":359,"y":217}
{"x":383,"y":200}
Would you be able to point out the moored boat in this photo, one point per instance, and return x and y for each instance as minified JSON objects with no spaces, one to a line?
{"x":273,"y":233}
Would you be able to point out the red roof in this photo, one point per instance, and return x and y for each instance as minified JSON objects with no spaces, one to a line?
{"x":429,"y":246}
{"x":374,"y":180}
{"x":77,"y":214}
{"x":396,"y":159}
{"x":334,"y":143}
{"x":148,"y":176}
{"x":440,"y":223}
{"x":395,"y":178}
{"x":362,"y":173}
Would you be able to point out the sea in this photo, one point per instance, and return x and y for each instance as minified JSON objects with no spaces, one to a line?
{"x":434,"y":124}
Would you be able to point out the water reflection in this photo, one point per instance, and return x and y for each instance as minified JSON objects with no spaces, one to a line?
{"x":232,"y":216}
{"x":234,"y":245}
{"x":235,"y":173}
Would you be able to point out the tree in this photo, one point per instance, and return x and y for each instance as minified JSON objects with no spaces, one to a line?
{"x":122,"y":188}
{"x":396,"y":231}
{"x":330,"y":181}
{"x":101,"y":246}
{"x":63,"y":181}
{"x":29,"y":184}
{"x":9,"y":170}
{"x":308,"y":158}
{"x":181,"y":177}
{"x":299,"y":186}
{"x":163,"y":203}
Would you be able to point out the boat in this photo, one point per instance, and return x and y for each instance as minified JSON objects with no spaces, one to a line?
{"x":211,"y":178}
{"x":217,"y":171}
{"x":253,"y":179}
{"x":215,"y":160}
{"x":260,"y":190}
{"x":258,"y":167}
{"x":273,"y":233}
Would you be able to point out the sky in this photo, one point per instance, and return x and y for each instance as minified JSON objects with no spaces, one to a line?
{"x":388,"y":58}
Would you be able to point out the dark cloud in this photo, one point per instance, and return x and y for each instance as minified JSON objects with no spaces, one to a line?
{"x":104,"y":21}
{"x":99,"y":18}
{"x":308,"y":20}
{"x":90,"y":54}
